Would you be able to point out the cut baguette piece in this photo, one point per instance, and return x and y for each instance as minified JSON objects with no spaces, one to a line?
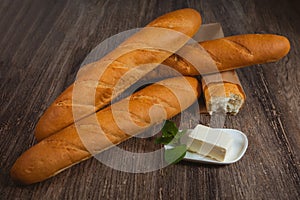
{"x":223,"y":98}
{"x":118,"y":122}
{"x":223,"y":92}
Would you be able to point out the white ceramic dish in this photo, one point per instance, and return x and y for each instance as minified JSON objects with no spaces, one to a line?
{"x":235,"y":153}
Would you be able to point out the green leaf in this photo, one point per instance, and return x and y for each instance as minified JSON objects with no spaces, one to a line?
{"x":163,"y":140}
{"x":175,"y":154}
{"x":169,"y":129}
{"x":171,"y":135}
{"x":177,"y":137}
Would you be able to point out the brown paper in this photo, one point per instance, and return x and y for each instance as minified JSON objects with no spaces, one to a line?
{"x":226,"y":77}
{"x":211,"y":32}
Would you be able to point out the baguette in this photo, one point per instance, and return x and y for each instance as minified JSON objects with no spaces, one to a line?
{"x":227,"y":53}
{"x":230,"y":53}
{"x":66,"y":148}
{"x":139,"y":54}
{"x":224,"y":93}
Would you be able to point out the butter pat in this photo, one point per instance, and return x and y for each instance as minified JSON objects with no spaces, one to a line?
{"x":209,"y":142}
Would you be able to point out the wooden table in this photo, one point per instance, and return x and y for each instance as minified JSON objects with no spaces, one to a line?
{"x":42,"y":46}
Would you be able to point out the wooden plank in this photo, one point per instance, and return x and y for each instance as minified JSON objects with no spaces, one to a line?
{"x":42,"y":47}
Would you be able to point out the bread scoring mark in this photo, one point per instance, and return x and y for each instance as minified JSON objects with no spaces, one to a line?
{"x":136,"y":118}
{"x":175,"y":58}
{"x":214,"y":57}
{"x":239,"y":46}
{"x":63,"y":144}
{"x":156,"y":100}
{"x":70,"y":104}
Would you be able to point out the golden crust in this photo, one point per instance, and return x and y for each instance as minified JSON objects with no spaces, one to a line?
{"x":119,"y":122}
{"x":223,"y":97}
{"x":234,"y":52}
{"x":59,"y":114}
{"x":222,"y":89}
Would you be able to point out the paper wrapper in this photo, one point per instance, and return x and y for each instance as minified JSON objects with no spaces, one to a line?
{"x":226,"y":76}
{"x":210,"y":32}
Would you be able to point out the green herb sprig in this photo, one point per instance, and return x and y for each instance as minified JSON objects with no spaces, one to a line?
{"x":171,"y":136}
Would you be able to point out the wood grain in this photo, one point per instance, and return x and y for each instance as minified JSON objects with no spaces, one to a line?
{"x":42,"y":46}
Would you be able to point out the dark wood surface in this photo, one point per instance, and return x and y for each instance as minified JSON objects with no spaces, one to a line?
{"x":42,"y":44}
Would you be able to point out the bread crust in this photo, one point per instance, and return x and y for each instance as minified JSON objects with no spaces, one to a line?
{"x":173,"y":29}
{"x":234,"y":52}
{"x":223,"y":92}
{"x":77,"y":143}
{"x":224,"y":98}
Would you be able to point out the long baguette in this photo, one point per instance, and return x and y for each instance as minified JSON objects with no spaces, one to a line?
{"x":66,"y":148}
{"x":228,"y":53}
{"x":144,"y":48}
{"x":232,"y":52}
